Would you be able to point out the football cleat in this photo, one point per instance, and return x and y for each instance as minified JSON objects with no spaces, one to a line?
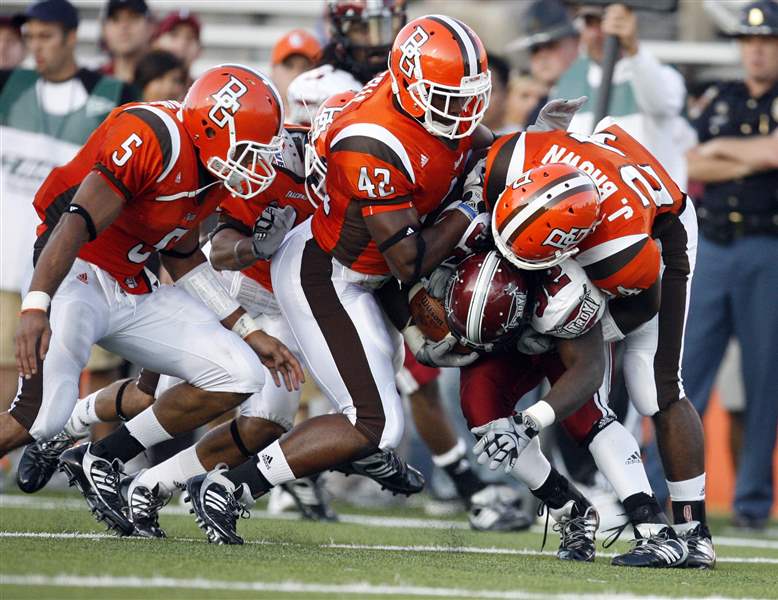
{"x":309,"y":496}
{"x":217,"y":505}
{"x":388,"y":470}
{"x":98,"y":480}
{"x":40,"y":460}
{"x":497,"y":508}
{"x":656,"y":546}
{"x":577,"y":525}
{"x":143,"y":506}
{"x":702,"y":554}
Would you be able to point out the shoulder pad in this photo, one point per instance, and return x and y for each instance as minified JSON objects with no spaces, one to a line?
{"x":377,"y":141}
{"x":165,"y":130}
{"x":567,"y":304}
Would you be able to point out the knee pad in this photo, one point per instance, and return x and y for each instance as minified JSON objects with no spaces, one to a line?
{"x":272,"y":404}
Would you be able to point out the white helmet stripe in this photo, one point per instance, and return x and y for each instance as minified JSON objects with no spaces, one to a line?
{"x":475,"y":312}
{"x":606,"y":249}
{"x":550,"y":196}
{"x":470,"y":50}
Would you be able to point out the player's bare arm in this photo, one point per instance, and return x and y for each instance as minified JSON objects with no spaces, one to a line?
{"x":185,"y":257}
{"x":409,"y":250}
{"x":98,"y":205}
{"x":585,"y":367}
{"x":231,"y":250}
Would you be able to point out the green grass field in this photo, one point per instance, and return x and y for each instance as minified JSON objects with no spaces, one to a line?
{"x":50,"y":547}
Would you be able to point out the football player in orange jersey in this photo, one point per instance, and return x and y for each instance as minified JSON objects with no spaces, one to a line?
{"x":391,"y":156}
{"x":641,"y":251}
{"x":142,"y":183}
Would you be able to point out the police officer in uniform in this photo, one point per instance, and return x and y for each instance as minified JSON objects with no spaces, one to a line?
{"x":735,"y":286}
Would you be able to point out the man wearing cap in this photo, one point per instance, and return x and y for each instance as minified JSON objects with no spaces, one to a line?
{"x":46,"y":115}
{"x":646,"y":97}
{"x":551,"y":40}
{"x":127,"y":30}
{"x":179,"y":34}
{"x":735,"y":282}
{"x":296,"y":52}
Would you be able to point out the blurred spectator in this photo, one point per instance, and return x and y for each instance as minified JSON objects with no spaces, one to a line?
{"x":127,"y":29}
{"x":646,"y":97}
{"x":160,"y":75}
{"x":495,"y":117}
{"x":179,"y":34}
{"x":735,"y":281}
{"x":295,"y":53}
{"x":46,"y":115}
{"x":11,"y":43}
{"x":525,"y":97}
{"x":551,"y":40}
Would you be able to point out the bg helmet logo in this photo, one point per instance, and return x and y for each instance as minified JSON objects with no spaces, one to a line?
{"x":411,"y":51}
{"x":562,"y":240}
{"x":227,"y":101}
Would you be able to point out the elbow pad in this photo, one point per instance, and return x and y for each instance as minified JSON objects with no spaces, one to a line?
{"x":204,"y":284}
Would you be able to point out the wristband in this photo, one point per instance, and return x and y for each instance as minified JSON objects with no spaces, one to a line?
{"x":245,"y":326}
{"x":36,"y":300}
{"x":541,"y":413}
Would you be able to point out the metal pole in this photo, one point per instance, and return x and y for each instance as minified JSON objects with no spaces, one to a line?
{"x":610,"y":56}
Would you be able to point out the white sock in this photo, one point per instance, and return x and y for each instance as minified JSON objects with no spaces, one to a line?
{"x":617,"y":455}
{"x":689,"y":490}
{"x":452,"y":456}
{"x":83,"y":417}
{"x":176,"y":469}
{"x":532,"y":467}
{"x":147,"y":429}
{"x":273,"y":466}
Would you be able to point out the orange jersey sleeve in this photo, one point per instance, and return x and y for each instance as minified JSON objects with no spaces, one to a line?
{"x":130,"y":158}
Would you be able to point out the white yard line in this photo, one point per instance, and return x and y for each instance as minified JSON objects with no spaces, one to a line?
{"x":373,"y":547}
{"x":358,"y":589}
{"x":38,"y":503}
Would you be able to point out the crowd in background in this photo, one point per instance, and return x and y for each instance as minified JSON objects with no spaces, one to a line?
{"x":558,"y":53}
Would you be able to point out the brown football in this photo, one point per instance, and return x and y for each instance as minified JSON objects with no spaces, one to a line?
{"x":429,"y":315}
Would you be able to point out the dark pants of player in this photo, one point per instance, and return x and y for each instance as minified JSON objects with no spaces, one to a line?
{"x":491,"y":387}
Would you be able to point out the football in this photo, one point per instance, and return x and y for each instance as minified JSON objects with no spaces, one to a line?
{"x":428,"y":313}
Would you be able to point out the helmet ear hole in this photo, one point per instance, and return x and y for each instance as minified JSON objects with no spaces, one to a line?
{"x":210,"y":133}
{"x":204,"y":122}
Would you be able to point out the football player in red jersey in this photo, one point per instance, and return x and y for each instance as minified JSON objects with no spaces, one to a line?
{"x":641,"y":251}
{"x":142,"y":184}
{"x":391,"y":157}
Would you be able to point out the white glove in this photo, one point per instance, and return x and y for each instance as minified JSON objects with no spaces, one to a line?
{"x":532,"y":342}
{"x":437,"y":282}
{"x":436,"y":354}
{"x":502,"y":441}
{"x":270,"y":229}
{"x":557,"y":114}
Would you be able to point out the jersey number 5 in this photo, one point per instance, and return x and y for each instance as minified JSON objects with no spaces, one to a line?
{"x":133,"y":140}
{"x":365,"y":183}
{"x":137,"y":255}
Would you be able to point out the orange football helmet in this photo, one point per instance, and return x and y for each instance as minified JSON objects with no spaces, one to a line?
{"x":234,"y":116}
{"x":539,"y":219}
{"x":315,"y":165}
{"x":440,"y":75}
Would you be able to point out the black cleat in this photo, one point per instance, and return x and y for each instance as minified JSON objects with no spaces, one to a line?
{"x":98,"y":481}
{"x":388,"y":470}
{"x":702,"y":554}
{"x":143,"y":506}
{"x":577,"y":525}
{"x":40,"y":460}
{"x":497,"y":508}
{"x":656,"y":546}
{"x":216,"y":507}
{"x":310,"y":499}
